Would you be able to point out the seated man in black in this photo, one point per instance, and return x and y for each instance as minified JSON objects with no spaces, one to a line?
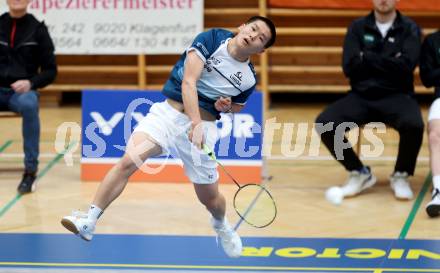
{"x":380,"y":54}
{"x":27,"y":62}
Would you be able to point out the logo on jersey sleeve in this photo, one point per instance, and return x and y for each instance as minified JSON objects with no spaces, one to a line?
{"x":202,"y":48}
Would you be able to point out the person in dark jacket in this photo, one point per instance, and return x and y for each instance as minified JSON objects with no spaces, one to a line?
{"x":27,"y":62}
{"x":430,"y":76}
{"x":380,"y":54}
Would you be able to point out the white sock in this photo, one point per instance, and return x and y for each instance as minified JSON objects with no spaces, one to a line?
{"x":94,"y":213}
{"x":220,"y":223}
{"x":436,"y":181}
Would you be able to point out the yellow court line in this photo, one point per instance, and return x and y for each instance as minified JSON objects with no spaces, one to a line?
{"x":159,"y":266}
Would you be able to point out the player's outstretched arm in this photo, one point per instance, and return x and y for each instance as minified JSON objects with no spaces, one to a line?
{"x":193,"y":70}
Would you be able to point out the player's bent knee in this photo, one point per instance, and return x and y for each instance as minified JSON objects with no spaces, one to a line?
{"x":434,"y":137}
{"x":126,"y":166}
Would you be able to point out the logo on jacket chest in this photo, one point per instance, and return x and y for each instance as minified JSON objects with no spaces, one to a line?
{"x":368,"y":38}
{"x":236,"y":78}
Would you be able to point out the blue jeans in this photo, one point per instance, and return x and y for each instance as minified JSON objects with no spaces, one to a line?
{"x":26,"y":104}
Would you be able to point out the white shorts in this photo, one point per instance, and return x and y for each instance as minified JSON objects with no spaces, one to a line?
{"x":434,"y":110}
{"x":169,"y":128}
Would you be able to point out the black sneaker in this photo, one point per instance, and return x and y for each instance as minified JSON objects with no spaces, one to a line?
{"x":27,"y":183}
{"x":433,"y":207}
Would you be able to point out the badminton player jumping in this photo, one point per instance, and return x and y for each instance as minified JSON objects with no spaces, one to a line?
{"x":213,"y":75}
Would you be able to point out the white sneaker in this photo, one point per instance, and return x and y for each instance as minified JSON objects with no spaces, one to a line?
{"x":229,"y":238}
{"x":433,"y":207}
{"x":358,"y":181}
{"x":79,"y":224}
{"x":400,"y":184}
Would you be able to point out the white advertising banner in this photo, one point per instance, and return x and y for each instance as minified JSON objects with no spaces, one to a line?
{"x":120,"y":26}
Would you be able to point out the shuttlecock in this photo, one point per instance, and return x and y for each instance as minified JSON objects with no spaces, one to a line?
{"x":334,"y":195}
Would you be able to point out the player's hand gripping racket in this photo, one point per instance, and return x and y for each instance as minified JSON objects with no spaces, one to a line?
{"x":252,"y":202}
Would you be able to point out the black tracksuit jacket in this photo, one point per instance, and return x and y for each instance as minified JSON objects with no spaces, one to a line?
{"x":378,"y":66}
{"x":26,"y":52}
{"x":430,"y":62}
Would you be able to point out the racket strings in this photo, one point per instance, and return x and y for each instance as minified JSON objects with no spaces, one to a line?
{"x":255,"y":205}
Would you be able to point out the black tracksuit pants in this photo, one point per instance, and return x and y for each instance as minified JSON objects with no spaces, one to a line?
{"x":400,"y":111}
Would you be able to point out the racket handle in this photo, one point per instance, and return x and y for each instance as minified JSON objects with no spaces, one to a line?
{"x":209,"y":152}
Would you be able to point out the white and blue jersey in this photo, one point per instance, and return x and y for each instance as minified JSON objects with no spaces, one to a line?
{"x":222,"y":75}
